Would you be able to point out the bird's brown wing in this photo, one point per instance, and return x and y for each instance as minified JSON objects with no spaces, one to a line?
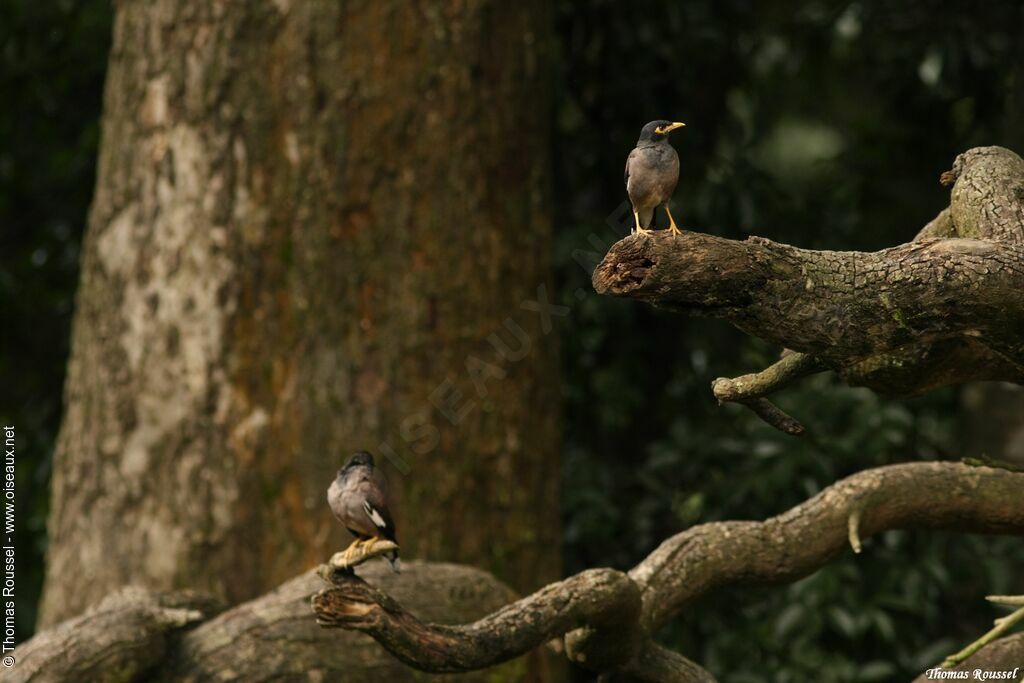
{"x":375,"y":505}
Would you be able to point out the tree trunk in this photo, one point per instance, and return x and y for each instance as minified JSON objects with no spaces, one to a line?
{"x":309,"y":218}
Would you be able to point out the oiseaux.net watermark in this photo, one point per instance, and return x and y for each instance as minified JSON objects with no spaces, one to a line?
{"x":7,"y":591}
{"x":939,"y":674}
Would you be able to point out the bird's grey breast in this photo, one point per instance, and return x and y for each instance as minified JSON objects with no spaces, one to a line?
{"x":346,"y":498}
{"x":653,"y":174}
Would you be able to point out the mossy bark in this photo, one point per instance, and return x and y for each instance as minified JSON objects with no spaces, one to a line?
{"x":309,"y":220}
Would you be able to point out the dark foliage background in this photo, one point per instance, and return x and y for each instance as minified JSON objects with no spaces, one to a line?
{"x":822,"y":124}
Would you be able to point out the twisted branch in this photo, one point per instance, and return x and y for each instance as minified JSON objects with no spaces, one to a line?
{"x":603,"y":598}
{"x":782,"y":549}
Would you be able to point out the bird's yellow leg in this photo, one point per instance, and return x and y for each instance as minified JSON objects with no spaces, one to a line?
{"x":369,"y":543}
{"x":672,"y":223}
{"x":640,"y":231}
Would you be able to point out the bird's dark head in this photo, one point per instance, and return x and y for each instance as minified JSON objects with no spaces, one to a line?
{"x":359,"y":458}
{"x":657,"y":131}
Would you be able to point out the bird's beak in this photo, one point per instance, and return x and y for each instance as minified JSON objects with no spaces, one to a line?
{"x":665,"y":130}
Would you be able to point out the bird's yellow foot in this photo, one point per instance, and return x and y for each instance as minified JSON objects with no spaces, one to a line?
{"x":672,"y":223}
{"x":346,"y":555}
{"x":369,"y":543}
{"x":636,"y":223}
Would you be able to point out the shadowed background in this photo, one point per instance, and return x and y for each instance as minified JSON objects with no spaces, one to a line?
{"x":825,"y":127}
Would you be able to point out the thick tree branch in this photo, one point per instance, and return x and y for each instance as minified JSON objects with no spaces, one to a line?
{"x":951,"y":496}
{"x":844,"y":308}
{"x":276,"y":633}
{"x":140,"y":635}
{"x":119,"y":638}
{"x":601,"y":604}
{"x":940,"y":310}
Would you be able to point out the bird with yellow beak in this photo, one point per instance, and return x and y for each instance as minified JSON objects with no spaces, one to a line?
{"x":652,"y":171}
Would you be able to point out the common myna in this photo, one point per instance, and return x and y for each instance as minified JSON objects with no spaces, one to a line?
{"x":359,"y":499}
{"x":652,"y":171}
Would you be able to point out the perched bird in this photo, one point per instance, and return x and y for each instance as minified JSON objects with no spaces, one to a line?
{"x":358,"y":497}
{"x":652,"y":171}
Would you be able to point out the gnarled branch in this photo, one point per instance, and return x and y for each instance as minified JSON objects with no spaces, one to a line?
{"x":782,"y":549}
{"x":941,"y":310}
{"x":604,"y":598}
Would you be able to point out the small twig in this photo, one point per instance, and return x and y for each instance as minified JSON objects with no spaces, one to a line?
{"x":773,"y":415}
{"x":750,"y":390}
{"x":1007,"y":600}
{"x":1002,"y":625}
{"x":791,"y":367}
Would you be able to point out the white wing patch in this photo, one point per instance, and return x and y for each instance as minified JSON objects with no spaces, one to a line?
{"x":374,"y":516}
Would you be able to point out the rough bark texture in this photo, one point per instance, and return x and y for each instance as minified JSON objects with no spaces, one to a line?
{"x":705,"y":558}
{"x":121,"y":638}
{"x":940,"y":310}
{"x":305,"y":220}
{"x":136,"y":635}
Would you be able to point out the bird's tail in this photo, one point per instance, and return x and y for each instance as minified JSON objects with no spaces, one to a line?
{"x":392,"y":558}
